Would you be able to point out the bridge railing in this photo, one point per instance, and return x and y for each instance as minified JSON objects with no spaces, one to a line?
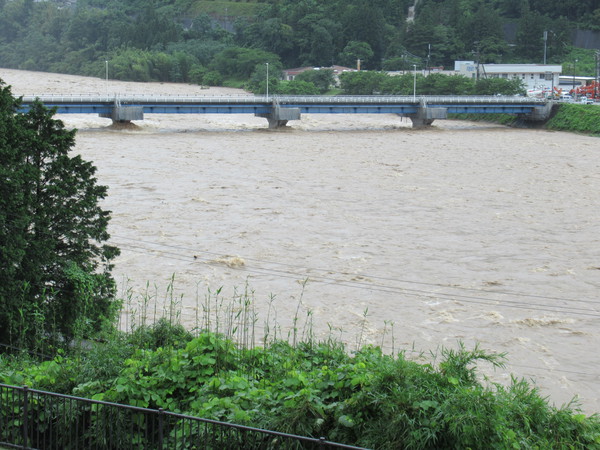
{"x":287,"y":99}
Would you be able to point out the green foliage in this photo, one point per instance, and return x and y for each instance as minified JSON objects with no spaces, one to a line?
{"x":356,"y":83}
{"x":356,"y":53}
{"x":212,"y":78}
{"x":55,"y":284}
{"x":297,"y":87}
{"x":322,"y":79}
{"x":362,"y":83}
{"x":579,"y":118}
{"x":243,"y":62}
{"x":499,"y":86}
{"x":258,"y":80}
{"x":301,"y":33}
{"x":368,"y":399}
{"x":580,"y":62}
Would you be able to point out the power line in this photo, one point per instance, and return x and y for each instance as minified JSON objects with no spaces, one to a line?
{"x":519,"y":294}
{"x":420,"y":293}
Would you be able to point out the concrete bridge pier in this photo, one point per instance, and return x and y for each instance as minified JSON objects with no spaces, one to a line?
{"x":124,"y":114}
{"x":426,"y":115}
{"x":420,"y":122}
{"x":279,"y":117}
{"x":540,"y":113}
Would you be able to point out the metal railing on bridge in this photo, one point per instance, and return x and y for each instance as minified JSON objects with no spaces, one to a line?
{"x":282,"y":99}
{"x":34,"y":419}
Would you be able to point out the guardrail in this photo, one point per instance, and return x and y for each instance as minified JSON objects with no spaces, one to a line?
{"x":30,"y":419}
{"x":291,"y":99}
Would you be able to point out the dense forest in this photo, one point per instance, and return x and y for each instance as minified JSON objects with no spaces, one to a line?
{"x":211,"y":42}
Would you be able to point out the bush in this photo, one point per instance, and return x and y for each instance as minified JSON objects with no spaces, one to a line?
{"x":212,"y":78}
{"x":367,"y":399}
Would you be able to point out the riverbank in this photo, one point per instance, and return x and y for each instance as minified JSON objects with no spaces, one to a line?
{"x":576,"y":118}
{"x":308,"y":388}
{"x":463,"y":231}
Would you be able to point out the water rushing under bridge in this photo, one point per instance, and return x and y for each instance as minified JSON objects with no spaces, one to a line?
{"x":278,"y":110}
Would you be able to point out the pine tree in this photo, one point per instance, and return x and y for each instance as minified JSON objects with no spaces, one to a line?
{"x":55,"y":281}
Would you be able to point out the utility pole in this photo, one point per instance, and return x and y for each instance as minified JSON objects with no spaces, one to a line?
{"x":574,"y":68}
{"x":267,"y":81}
{"x":428,"y":56}
{"x":545,"y":42}
{"x":597,"y":75}
{"x":414,"y":83}
{"x":477,"y":57}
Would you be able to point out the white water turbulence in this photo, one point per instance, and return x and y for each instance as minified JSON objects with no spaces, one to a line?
{"x":360,"y":226}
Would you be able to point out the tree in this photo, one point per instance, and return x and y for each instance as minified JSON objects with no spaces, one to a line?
{"x":297,"y":87}
{"x":242,"y":62}
{"x":365,"y":22}
{"x":323,"y":79}
{"x":362,"y":83}
{"x":530,"y":36}
{"x":258,"y":81}
{"x":55,"y":281}
{"x":355,"y":51}
{"x":499,"y":86}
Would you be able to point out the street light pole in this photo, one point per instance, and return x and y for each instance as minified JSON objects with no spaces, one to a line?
{"x":597,"y":80}
{"x":545,"y":46}
{"x":574,"y":68}
{"x":106,"y":63}
{"x":267,"y":81}
{"x":414,"y":82}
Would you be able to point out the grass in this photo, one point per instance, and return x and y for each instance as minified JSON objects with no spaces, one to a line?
{"x":577,"y":118}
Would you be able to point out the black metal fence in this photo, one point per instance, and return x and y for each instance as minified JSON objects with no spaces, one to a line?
{"x":44,"y":420}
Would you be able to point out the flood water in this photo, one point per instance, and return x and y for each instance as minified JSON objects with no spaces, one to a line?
{"x":370,"y":230}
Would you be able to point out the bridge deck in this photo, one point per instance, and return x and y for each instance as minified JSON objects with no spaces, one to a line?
{"x":278,"y":108}
{"x":85,"y":99}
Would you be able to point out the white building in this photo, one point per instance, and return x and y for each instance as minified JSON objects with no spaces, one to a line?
{"x":534,"y":76}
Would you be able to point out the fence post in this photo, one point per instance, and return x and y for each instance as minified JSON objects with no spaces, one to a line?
{"x":25,"y":414}
{"x":160,"y":428}
{"x":322,"y":442}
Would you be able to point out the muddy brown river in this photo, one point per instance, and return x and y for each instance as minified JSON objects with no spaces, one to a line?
{"x":360,"y":227}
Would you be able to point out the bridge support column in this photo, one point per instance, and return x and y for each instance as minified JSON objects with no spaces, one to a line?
{"x":420,"y":122}
{"x":540,"y":113}
{"x":425,"y":116}
{"x":125,"y":113}
{"x":278,"y":117}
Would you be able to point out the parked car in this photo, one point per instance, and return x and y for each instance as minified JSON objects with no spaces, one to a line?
{"x":586,"y":101}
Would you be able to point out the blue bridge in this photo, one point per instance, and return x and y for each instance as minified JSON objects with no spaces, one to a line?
{"x":278,"y":110}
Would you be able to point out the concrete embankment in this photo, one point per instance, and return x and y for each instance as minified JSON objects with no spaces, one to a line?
{"x":577,"y":118}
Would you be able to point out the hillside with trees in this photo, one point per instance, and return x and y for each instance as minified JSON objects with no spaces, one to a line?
{"x":214,"y":42}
